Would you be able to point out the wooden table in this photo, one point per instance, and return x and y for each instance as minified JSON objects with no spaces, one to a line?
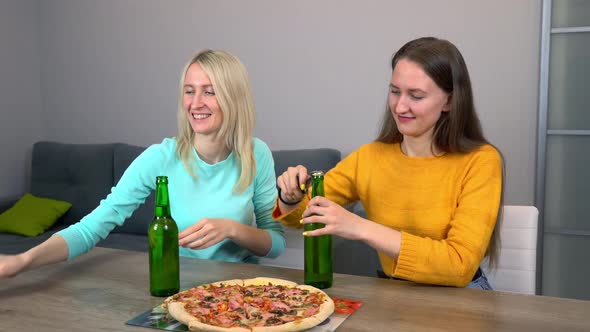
{"x":103,"y":289}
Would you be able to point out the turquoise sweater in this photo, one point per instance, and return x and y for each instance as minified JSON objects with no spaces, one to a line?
{"x":209,"y":196}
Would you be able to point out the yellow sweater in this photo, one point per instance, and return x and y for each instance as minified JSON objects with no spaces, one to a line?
{"x":445,"y":207}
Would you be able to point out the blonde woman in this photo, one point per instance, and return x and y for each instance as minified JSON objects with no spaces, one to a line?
{"x":221,"y":178}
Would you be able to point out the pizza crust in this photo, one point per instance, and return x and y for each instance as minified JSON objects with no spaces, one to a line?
{"x":261,"y":281}
{"x":231,"y":282}
{"x":326,"y":308}
{"x":298,"y":325}
{"x":178,"y":311}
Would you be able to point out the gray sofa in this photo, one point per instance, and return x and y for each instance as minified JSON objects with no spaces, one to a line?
{"x":83,"y":174}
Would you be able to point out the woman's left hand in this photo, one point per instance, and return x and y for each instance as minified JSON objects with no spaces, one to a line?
{"x":337,"y":219}
{"x":206,"y":232}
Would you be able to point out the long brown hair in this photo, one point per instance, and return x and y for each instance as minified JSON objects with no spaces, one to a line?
{"x":458,"y":130}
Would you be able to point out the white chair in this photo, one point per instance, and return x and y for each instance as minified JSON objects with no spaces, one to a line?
{"x":518,"y":252}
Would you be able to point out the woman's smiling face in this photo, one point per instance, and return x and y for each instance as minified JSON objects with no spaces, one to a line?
{"x":200,"y":102}
{"x":415,"y":101}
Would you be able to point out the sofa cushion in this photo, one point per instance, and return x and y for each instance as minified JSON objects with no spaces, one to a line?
{"x":313,"y":159}
{"x":31,"y":215}
{"x":138,"y":222}
{"x":81,"y":174}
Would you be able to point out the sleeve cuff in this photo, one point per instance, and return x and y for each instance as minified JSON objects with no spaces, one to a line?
{"x":75,"y":241}
{"x":407,"y":259}
{"x":292,"y":218}
{"x":278,"y":244}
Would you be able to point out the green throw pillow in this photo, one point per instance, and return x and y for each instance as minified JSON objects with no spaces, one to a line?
{"x":32,"y":215}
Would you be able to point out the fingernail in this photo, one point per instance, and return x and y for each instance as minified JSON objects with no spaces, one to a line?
{"x":301,"y":221}
{"x":304,"y":233}
{"x":302,"y":186}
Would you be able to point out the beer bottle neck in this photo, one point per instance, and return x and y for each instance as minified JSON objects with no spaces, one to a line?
{"x":162,"y":208}
{"x":317,"y":188}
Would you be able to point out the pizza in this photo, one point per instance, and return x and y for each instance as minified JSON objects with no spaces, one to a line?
{"x":250,"y":305}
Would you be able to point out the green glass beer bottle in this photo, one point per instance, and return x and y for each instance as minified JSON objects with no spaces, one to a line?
{"x":163,"y":241}
{"x":317,"y":249}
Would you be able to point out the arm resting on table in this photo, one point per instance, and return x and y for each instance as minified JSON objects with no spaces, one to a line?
{"x":53,"y":250}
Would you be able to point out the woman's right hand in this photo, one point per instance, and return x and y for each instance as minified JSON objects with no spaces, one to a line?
{"x":292,"y":184}
{"x":52,"y":250}
{"x":11,"y":265}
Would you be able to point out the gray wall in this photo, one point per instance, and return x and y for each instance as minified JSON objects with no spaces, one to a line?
{"x":319,"y":69}
{"x":21,"y":111}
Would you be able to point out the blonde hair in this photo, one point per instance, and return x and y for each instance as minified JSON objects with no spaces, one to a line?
{"x":232,"y":90}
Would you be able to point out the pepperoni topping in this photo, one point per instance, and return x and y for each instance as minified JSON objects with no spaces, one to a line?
{"x":249,"y":306}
